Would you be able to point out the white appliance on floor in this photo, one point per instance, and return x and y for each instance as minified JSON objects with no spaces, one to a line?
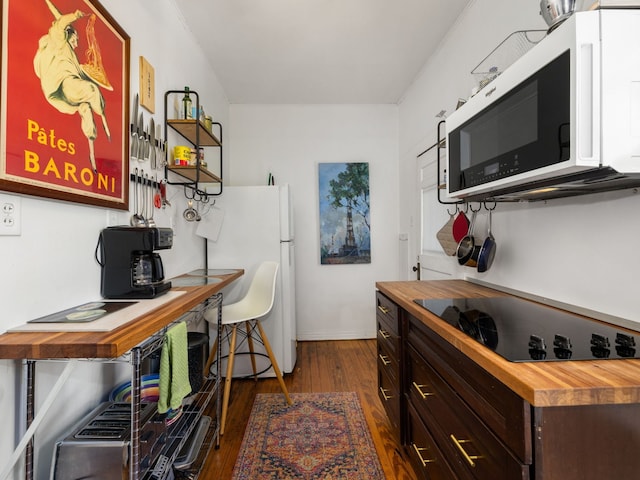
{"x":246,"y":226}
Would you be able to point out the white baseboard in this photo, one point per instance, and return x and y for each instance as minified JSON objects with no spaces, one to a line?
{"x":318,"y":336}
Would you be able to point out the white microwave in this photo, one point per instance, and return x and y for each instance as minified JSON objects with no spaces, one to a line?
{"x":564,"y":119}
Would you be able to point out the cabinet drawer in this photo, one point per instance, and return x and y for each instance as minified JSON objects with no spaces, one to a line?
{"x":424,"y":388}
{"x":387,"y":313}
{"x":388,"y":361}
{"x":474,"y":451}
{"x":428,"y":461}
{"x":389,"y":341}
{"x":502,"y":410}
{"x":389,"y":393}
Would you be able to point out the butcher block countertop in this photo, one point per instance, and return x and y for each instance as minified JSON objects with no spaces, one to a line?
{"x":542,"y":384}
{"x":111,"y":344}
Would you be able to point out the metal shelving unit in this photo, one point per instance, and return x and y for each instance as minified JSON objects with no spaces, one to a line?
{"x":178,"y":433}
{"x":196,"y":133}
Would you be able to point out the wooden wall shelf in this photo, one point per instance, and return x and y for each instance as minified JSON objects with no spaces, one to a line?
{"x":187,"y":128}
{"x":191,"y":172}
{"x":199,"y":136}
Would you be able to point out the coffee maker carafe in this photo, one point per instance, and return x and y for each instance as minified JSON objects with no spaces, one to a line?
{"x":146,"y":268}
{"x":130,"y":266}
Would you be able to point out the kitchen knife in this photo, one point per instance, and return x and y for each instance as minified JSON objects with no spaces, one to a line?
{"x":146,"y":143}
{"x":159,"y":146}
{"x":151,"y":151}
{"x":164,"y":152}
{"x":141,"y":137}
{"x":134,"y":129}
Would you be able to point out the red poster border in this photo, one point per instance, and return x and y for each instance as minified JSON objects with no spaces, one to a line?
{"x":34,"y":158}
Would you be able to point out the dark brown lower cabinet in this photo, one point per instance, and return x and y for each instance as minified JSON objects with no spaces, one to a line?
{"x":472,"y":449}
{"x":458,"y":422}
{"x":389,"y":361}
{"x":390,"y":395}
{"x":587,"y":442}
{"x":426,"y":458}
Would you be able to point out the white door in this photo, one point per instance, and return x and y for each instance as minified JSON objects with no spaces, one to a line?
{"x":433,"y":263}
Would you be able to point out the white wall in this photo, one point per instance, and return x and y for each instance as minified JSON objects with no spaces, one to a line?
{"x":577,"y":251}
{"x":333,"y":301}
{"x":51,"y":265}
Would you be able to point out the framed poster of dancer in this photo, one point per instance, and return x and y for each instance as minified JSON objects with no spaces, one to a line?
{"x":64,"y":106}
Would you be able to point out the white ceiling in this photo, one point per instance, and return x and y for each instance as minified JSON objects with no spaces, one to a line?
{"x":318,"y":51}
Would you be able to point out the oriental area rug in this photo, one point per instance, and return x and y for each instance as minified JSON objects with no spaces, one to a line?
{"x":321,"y":436}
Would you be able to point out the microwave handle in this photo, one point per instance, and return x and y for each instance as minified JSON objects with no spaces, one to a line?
{"x":588,"y":105}
{"x":441,"y":145}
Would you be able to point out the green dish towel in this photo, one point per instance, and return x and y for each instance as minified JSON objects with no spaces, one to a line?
{"x":174,"y":369}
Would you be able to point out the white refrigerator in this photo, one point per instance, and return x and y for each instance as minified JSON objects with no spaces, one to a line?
{"x":246,"y":226}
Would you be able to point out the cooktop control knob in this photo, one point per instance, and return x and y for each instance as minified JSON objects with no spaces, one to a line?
{"x":625,"y":340}
{"x":599,"y":341}
{"x":625,"y":345}
{"x":537,"y":348}
{"x":537,"y":342}
{"x":562,"y":346}
{"x":561,"y":341}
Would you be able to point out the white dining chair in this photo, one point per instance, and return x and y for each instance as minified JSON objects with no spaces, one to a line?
{"x":257,"y":302}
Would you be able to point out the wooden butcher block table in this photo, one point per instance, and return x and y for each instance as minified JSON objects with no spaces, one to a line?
{"x":128,"y":334}
{"x":37,"y":345}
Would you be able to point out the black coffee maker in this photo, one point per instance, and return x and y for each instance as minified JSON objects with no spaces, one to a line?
{"x":130,"y":268}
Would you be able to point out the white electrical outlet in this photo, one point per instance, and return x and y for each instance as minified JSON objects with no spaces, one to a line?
{"x":10,"y":215}
{"x":112,"y":218}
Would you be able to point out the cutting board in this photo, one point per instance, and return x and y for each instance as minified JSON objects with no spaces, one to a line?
{"x":445,"y":237}
{"x":105,"y":323}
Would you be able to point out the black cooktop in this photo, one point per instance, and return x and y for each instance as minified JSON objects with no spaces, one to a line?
{"x":524,"y":331}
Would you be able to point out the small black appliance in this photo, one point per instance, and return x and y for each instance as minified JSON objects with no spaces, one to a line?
{"x":130,"y":266}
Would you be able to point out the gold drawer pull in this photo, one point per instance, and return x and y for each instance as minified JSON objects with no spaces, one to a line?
{"x":384,"y":310}
{"x":419,"y":389}
{"x":385,"y":360}
{"x":384,"y":334}
{"x":384,"y":394}
{"x":469,"y":458}
{"x":418,"y":451}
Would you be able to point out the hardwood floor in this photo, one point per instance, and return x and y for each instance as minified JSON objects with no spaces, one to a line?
{"x":326,"y":366}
